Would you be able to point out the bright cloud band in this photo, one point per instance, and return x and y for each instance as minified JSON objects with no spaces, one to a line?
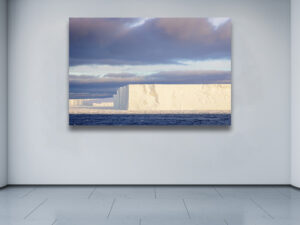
{"x":144,"y":70}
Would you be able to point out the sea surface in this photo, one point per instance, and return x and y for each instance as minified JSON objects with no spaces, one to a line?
{"x":150,"y":119}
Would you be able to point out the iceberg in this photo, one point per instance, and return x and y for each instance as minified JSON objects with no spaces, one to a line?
{"x":173,"y":97}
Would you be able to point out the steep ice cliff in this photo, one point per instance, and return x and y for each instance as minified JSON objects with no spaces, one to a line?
{"x":121,"y":98}
{"x":177,"y":97}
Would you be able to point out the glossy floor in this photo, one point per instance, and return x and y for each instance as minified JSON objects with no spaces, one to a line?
{"x":149,"y":205}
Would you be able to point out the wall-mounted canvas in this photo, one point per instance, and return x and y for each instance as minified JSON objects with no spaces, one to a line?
{"x":150,"y":71}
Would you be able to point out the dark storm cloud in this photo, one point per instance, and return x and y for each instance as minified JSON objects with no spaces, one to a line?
{"x":105,"y":87}
{"x":191,"y":77}
{"x":117,"y":42}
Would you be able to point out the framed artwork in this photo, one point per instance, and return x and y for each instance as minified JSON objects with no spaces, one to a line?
{"x":150,"y":71}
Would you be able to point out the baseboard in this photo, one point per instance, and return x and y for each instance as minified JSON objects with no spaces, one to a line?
{"x":5,"y":186}
{"x":200,"y":185}
{"x":298,"y":188}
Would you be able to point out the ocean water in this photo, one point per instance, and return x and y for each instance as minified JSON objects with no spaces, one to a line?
{"x":150,"y":119}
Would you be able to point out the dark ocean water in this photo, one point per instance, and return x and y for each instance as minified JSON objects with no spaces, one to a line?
{"x":150,"y":120}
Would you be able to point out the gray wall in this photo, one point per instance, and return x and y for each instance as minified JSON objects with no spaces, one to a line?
{"x":295,"y":81}
{"x":45,"y":150}
{"x":3,"y":93}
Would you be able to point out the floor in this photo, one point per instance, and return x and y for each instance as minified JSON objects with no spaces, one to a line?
{"x":149,"y":205}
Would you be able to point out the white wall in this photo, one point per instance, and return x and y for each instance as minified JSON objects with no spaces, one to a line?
{"x":295,"y":94}
{"x":45,"y":150}
{"x":3,"y":93}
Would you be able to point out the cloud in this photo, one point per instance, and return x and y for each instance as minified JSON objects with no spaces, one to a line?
{"x":144,"y":70}
{"x":138,"y":41}
{"x":105,"y":87}
{"x":119,"y":75}
{"x":218,"y":21}
{"x":188,"y":29}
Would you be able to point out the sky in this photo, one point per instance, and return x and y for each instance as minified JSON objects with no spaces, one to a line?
{"x":107,"y":53}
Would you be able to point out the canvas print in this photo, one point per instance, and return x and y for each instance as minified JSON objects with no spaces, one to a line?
{"x":150,"y":71}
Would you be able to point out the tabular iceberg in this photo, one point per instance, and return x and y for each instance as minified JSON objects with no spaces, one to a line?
{"x":173,"y":97}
